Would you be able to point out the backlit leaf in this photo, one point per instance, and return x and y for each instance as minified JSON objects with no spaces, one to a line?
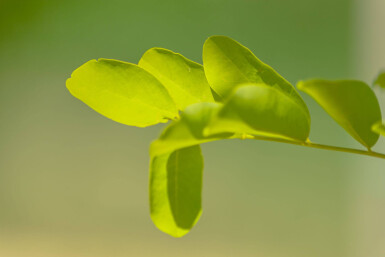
{"x":352,"y":104}
{"x":176,"y":153}
{"x":261,"y":110}
{"x":185,"y":80}
{"x":122,"y":92}
{"x":379,"y":128}
{"x":380,"y":80}
{"x":188,"y":131}
{"x":176,"y":190}
{"x":228,"y":64}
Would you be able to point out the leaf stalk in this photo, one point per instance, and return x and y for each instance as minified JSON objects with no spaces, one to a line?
{"x":321,"y":146}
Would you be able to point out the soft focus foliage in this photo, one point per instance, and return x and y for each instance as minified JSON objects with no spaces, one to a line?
{"x":229,"y":64}
{"x":122,"y":92}
{"x":380,"y":80}
{"x":252,"y":100}
{"x":350,"y":103}
{"x":184,"y":79}
{"x":260,"y":109}
{"x":379,"y":128}
{"x":175,"y":190}
{"x":189,"y":130}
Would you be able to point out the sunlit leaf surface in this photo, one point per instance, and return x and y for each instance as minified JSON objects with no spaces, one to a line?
{"x":176,"y":190}
{"x":234,"y":95}
{"x":261,"y":110}
{"x":228,"y":64}
{"x":185,"y":80}
{"x":352,"y":104}
{"x":122,"y":92}
{"x":188,"y":130}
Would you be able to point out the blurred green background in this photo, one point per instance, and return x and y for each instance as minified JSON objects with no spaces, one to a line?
{"x":73,"y":183}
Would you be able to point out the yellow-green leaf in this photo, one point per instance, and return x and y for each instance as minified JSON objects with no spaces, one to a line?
{"x":176,"y":190}
{"x":229,"y":64}
{"x":176,"y":153}
{"x":379,"y":128}
{"x":188,"y":131}
{"x":184,"y":79}
{"x":352,"y":104}
{"x":122,"y":92}
{"x":380,"y":80}
{"x":259,"y":109}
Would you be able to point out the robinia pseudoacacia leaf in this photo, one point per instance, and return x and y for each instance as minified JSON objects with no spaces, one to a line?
{"x":352,"y":104}
{"x":188,"y":131}
{"x":122,"y":92}
{"x":184,"y":79}
{"x":179,"y":145}
{"x":228,"y":64}
{"x":259,"y":109}
{"x":176,"y":190}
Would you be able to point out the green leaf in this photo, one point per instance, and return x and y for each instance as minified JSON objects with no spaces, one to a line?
{"x":352,"y":104}
{"x":176,"y":190}
{"x":228,"y":64}
{"x":188,"y":131}
{"x":175,"y":213}
{"x":379,"y":128}
{"x":380,"y":80}
{"x":261,"y":110}
{"x":122,"y":92}
{"x":185,"y":80}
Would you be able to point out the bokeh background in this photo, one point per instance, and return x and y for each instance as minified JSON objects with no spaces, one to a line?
{"x":73,"y":183}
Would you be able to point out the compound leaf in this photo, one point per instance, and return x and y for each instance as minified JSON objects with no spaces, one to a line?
{"x":228,"y":64}
{"x":352,"y":104}
{"x":261,"y":110}
{"x":176,"y":190}
{"x":184,"y":79}
{"x":122,"y":92}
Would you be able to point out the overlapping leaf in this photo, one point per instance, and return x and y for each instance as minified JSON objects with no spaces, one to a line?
{"x":228,"y":64}
{"x":178,"y":145}
{"x":122,"y":92}
{"x":254,"y":98}
{"x":184,"y":79}
{"x":188,"y":131}
{"x":261,"y":110}
{"x":255,"y":109}
{"x":176,"y":189}
{"x":352,"y":104}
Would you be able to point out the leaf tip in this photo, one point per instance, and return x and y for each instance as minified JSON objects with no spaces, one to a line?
{"x":75,"y":72}
{"x":214,"y":38}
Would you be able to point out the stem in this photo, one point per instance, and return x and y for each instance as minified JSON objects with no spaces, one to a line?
{"x":320,"y":146}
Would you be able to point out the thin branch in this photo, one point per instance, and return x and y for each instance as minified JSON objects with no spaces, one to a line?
{"x":320,"y":146}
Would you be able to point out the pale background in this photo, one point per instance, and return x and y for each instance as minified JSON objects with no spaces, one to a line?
{"x":73,"y":183}
{"x":368,"y":225}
